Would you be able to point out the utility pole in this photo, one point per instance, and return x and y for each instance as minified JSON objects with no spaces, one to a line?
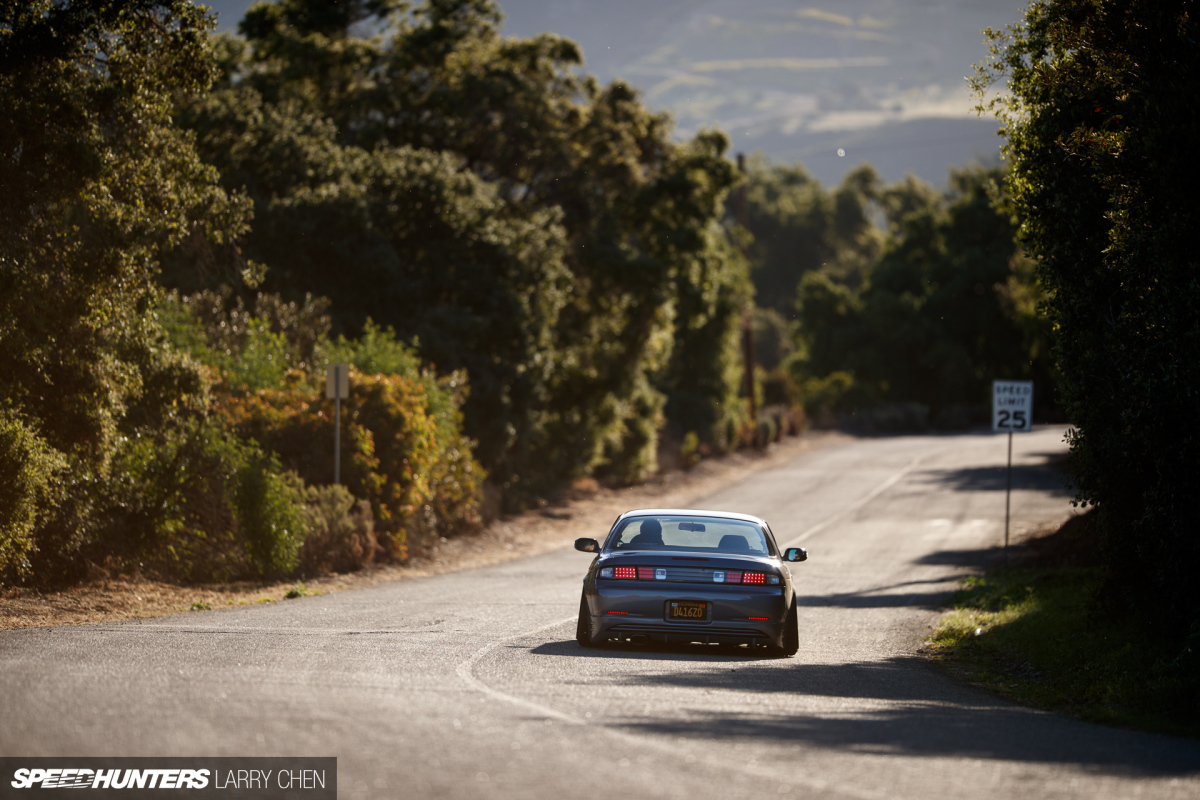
{"x":748,"y":309}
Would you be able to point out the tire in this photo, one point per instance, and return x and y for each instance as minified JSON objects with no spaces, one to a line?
{"x":791,"y":634}
{"x":583,"y":629}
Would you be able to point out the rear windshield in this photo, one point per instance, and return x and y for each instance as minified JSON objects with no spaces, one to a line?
{"x":705,"y":534}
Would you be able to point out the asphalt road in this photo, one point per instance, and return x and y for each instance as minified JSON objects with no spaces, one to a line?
{"x":471,"y":685}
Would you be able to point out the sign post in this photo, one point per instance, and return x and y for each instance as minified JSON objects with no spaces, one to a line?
{"x":337,"y":388}
{"x":1012,"y":412}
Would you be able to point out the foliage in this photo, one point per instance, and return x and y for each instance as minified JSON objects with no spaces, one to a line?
{"x":195,"y":502}
{"x":799,"y":227}
{"x":98,"y":186}
{"x":477,"y":193}
{"x":341,"y":531}
{"x":1094,"y":128}
{"x":270,"y":515}
{"x":252,"y":346}
{"x":414,"y":467}
{"x":246,"y":356}
{"x":28,"y":483}
{"x":946,"y":308}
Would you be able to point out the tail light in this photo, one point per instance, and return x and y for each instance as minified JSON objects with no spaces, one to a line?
{"x":660,"y":574}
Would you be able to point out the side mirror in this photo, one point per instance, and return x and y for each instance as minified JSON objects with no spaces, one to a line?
{"x":587,"y":545}
{"x":791,"y":554}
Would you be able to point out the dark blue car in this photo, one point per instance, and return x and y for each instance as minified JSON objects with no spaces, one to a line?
{"x":670,"y":575}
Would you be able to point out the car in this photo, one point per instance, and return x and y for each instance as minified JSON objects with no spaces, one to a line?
{"x":679,"y":575}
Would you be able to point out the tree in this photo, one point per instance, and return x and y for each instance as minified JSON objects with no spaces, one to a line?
{"x":944,"y":309}
{"x":798,"y":227}
{"x":477,"y":193}
{"x":97,"y":184}
{"x":1099,"y":138}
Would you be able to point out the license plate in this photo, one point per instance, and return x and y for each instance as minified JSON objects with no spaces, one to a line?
{"x":687,"y":610}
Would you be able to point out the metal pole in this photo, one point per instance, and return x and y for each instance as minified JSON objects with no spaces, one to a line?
{"x":1007,"y":498}
{"x":337,"y":425}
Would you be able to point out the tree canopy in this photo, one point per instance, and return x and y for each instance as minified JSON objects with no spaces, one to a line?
{"x":98,"y":184}
{"x":481,"y":195}
{"x":1097,"y":130}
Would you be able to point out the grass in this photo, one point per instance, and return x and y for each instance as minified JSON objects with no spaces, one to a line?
{"x":1033,"y":634}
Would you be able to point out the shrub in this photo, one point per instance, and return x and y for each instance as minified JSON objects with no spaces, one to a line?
{"x":767,"y":430}
{"x":788,"y":421}
{"x":411,"y":463}
{"x":28,"y":468}
{"x":781,"y":389}
{"x":341,"y":531}
{"x":244,"y":348}
{"x":197,"y":503}
{"x":825,"y":396}
{"x":377,"y":351}
{"x":689,"y":449}
{"x":270,"y":514}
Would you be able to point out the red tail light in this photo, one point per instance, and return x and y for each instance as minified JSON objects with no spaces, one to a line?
{"x":626,"y":572}
{"x":624,"y":613}
{"x":733,"y":577}
{"x":756,"y":619}
{"x":754,"y":577}
{"x":645,"y":573}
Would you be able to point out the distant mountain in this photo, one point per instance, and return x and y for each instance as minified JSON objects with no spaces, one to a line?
{"x":880,"y":80}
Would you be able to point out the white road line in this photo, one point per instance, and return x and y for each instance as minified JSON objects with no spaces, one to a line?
{"x":465,"y":672}
{"x":850,"y":509}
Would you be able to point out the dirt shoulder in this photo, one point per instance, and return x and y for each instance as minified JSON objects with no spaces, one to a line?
{"x":588,"y":511}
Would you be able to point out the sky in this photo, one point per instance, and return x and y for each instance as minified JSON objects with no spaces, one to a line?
{"x":827,"y":84}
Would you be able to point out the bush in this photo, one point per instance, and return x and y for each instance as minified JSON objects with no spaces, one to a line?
{"x":767,"y":430}
{"x":341,"y":531}
{"x":196,"y":503}
{"x":28,"y":468}
{"x":244,"y":348}
{"x":781,"y":389}
{"x":825,"y":396}
{"x":787,"y":420}
{"x":270,"y":514}
{"x":403,"y":449}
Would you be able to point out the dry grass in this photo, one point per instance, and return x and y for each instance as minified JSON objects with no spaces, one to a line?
{"x":588,"y":510}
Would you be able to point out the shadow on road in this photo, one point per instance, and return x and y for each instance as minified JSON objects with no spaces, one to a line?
{"x":984,"y":732}
{"x":935,"y":595}
{"x":919,"y":712}
{"x":1043,"y":476}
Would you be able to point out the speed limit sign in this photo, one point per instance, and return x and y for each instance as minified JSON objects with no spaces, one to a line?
{"x":1012,"y":412}
{"x":1012,"y":406}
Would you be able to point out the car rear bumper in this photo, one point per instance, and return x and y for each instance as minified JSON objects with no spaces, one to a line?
{"x":639,"y":612}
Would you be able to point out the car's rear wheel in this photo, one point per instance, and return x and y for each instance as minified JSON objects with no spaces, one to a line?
{"x":791,"y":634}
{"x":583,"y":629}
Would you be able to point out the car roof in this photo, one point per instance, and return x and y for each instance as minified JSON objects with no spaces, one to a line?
{"x":691,"y":512}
